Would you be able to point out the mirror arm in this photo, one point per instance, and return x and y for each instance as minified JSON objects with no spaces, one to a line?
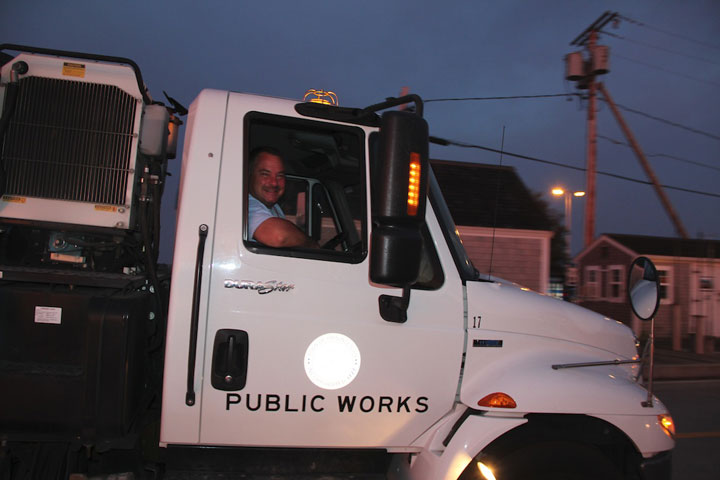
{"x":393,"y":102}
{"x":394,"y":309}
{"x":649,"y":402}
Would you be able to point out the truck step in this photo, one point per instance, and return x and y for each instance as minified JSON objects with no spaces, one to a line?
{"x":240,"y":476}
{"x":230,"y":476}
{"x":220,"y":463}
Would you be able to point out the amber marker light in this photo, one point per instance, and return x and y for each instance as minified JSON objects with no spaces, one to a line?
{"x":323,"y":97}
{"x":667,"y":424}
{"x":497,"y":400}
{"x":413,"y":200}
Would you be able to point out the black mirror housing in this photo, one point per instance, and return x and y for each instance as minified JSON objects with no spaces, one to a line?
{"x":395,"y":260}
{"x":400,"y":186}
{"x":404,"y":147}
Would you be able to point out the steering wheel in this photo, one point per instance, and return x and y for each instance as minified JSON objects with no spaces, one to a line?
{"x":334,"y":241}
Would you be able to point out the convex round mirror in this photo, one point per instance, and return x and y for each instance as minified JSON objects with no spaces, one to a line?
{"x":643,"y":287}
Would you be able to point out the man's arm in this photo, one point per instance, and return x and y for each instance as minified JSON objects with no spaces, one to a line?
{"x":279,"y":232}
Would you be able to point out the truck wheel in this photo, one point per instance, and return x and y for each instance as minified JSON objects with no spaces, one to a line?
{"x":556,"y":461}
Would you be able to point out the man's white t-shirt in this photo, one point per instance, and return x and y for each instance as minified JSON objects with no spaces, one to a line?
{"x":258,"y":213}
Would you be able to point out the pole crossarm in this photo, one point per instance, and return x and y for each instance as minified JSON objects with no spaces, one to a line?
{"x":596,"y":26}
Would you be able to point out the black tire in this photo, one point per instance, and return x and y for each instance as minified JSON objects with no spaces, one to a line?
{"x":556,"y":461}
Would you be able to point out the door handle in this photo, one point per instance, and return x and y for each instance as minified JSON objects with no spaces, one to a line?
{"x":230,"y":358}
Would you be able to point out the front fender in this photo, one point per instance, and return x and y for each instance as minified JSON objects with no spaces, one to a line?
{"x":522,"y":368}
{"x":439,"y":462}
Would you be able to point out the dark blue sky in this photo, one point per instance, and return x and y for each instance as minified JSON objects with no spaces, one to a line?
{"x":366,"y":51}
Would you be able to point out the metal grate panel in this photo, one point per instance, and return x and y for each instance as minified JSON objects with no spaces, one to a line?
{"x":70,"y":140}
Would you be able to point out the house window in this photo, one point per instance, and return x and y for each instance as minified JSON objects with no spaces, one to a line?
{"x":615,"y":283}
{"x":706,"y":283}
{"x":666,"y":285}
{"x":592,"y":282}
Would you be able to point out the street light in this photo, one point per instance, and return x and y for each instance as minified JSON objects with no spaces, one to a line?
{"x":561,"y":192}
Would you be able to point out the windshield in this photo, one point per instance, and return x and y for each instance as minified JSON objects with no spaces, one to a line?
{"x":452,"y":236}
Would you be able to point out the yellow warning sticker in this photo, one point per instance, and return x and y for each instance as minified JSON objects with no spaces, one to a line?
{"x":73,"y":69}
{"x":13,"y":199}
{"x":105,"y":208}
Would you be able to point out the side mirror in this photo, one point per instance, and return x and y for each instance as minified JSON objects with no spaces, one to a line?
{"x":643,"y":287}
{"x":400,"y":184}
{"x":399,"y":199}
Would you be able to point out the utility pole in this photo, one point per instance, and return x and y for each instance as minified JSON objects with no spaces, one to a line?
{"x":404,"y":91}
{"x":589,"y":226}
{"x":585,"y":71}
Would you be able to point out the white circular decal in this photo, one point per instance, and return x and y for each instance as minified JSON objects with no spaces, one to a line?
{"x":332,"y":361}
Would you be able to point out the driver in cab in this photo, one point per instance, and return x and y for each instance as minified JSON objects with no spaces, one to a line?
{"x":266,"y":221}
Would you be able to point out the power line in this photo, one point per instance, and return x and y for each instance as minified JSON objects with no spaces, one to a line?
{"x":463,"y":99}
{"x":664,"y":155}
{"x":657,"y":47}
{"x":669,"y":122}
{"x":666,"y":70}
{"x":445,"y":142}
{"x":672,"y":34}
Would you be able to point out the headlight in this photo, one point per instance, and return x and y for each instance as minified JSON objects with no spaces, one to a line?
{"x":485,"y":471}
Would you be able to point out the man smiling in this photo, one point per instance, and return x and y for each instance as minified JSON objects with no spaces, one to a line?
{"x":267,"y":223}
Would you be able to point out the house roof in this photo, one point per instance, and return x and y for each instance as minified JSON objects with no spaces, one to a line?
{"x":489,"y":195}
{"x":668,"y":246}
{"x":4,"y":58}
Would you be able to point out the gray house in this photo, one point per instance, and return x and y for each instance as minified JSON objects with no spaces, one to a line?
{"x":690,"y":284}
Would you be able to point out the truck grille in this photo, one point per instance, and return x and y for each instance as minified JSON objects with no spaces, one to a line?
{"x":70,"y":140}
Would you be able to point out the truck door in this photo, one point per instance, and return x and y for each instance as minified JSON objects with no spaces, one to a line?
{"x":296,"y":352}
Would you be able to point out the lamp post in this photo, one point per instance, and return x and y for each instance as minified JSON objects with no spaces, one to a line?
{"x":561,"y":192}
{"x":568,"y":196}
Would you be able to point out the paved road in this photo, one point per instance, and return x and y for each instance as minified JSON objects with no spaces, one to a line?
{"x":695,"y":407}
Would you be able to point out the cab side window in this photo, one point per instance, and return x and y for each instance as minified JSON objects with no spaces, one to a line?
{"x":305,"y":189}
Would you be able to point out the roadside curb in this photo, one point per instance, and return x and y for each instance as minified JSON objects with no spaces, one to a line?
{"x":684,"y":365}
{"x":697,"y":371}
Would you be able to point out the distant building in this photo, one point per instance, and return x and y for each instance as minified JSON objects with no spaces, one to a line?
{"x":690,"y":281}
{"x":4,"y":58}
{"x":504,"y":229}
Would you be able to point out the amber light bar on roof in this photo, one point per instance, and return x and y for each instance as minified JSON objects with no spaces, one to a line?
{"x":414,"y":184}
{"x":324,"y":97}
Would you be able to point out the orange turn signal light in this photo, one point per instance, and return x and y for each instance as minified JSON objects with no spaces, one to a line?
{"x":497,"y":400}
{"x":667,"y":424}
{"x":413,"y":200}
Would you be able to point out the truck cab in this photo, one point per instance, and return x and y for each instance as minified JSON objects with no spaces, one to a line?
{"x":297,"y":347}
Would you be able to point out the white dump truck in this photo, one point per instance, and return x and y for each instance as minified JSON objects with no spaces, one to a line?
{"x":378,"y":351}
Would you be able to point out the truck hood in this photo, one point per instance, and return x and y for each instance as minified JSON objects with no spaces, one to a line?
{"x":509,"y":308}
